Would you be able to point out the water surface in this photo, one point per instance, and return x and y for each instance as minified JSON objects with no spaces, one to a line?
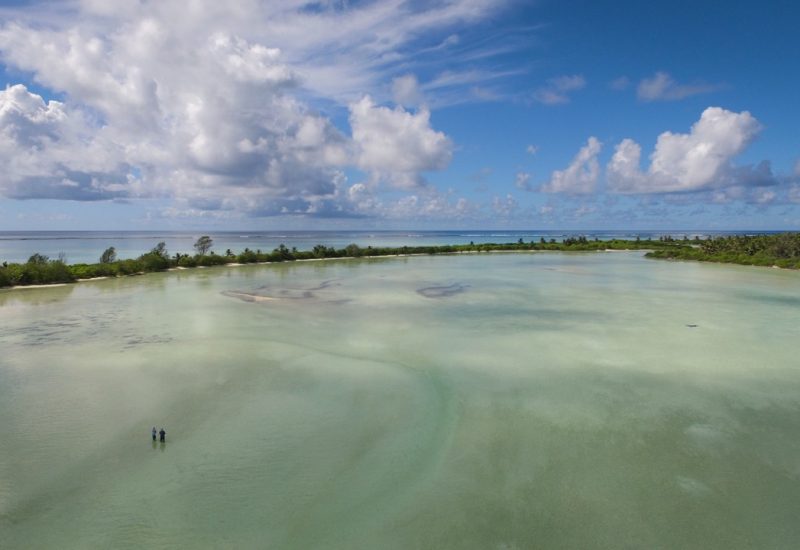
{"x":486,"y":401}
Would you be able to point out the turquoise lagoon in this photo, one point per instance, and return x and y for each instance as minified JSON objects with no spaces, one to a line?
{"x":474,"y":401}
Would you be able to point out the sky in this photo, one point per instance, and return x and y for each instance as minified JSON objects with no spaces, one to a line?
{"x":480,"y":114}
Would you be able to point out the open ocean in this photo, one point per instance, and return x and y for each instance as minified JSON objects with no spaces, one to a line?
{"x":87,"y":246}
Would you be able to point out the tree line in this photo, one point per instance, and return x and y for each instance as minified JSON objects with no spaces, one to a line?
{"x":40,"y":269}
{"x":782,"y":250}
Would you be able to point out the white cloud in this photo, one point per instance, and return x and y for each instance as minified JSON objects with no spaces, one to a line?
{"x":396,"y":144}
{"x":405,"y":91}
{"x":728,"y":194}
{"x":504,"y":206}
{"x":50,"y":151}
{"x":557,"y":89}
{"x":794,"y":194}
{"x":483,"y":94}
{"x":532,"y":149}
{"x":425,"y":206}
{"x":695,"y":161}
{"x":453,"y":87}
{"x":247,"y":62}
{"x":522,"y":181}
{"x":451,"y":40}
{"x":581,"y":175}
{"x":206,"y":118}
{"x":210,"y":103}
{"x":623,"y":171}
{"x":763,"y":196}
{"x":662,"y":87}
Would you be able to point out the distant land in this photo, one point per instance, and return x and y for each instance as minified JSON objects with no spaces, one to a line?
{"x":776,"y":250}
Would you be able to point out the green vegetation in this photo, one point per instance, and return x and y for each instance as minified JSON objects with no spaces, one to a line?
{"x":37,"y":270}
{"x":781,"y":250}
{"x":203,"y":245}
{"x":109,"y":256}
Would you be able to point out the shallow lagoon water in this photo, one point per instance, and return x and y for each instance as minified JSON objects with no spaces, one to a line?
{"x":473,"y":401}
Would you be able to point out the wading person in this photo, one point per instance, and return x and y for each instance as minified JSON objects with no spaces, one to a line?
{"x":162,"y":434}
{"x":154,"y":433}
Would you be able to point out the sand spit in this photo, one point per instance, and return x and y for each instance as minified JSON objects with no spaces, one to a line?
{"x":20,"y":287}
{"x":384,"y":256}
{"x":248,"y":297}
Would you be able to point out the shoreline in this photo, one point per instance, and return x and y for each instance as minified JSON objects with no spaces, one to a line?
{"x":727,"y":250}
{"x":703,"y":261}
{"x":46,"y":285}
{"x":384,"y":256}
{"x":360,"y":258}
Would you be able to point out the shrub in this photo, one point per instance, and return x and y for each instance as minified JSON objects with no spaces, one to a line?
{"x":247,"y":257}
{"x":89,"y":271}
{"x":211,"y":259}
{"x":129,"y":267}
{"x":353,"y":250}
{"x":154,"y":261}
{"x":187,"y":261}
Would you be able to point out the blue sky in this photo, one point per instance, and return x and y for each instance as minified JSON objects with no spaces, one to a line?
{"x":456,"y":114}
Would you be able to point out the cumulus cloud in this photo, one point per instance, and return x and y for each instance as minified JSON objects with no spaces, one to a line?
{"x":426,"y":205}
{"x":396,"y":144}
{"x":532,"y":149}
{"x":584,"y":211}
{"x":662,"y":87}
{"x":763,"y":196}
{"x":728,"y":194}
{"x":50,"y":151}
{"x":206,"y":118}
{"x":212,"y":104}
{"x":556,"y":90}
{"x":581,"y":176}
{"x":793,"y":193}
{"x":504,"y":206}
{"x":405,"y":91}
{"x":699,"y":160}
{"x":522,"y":181}
{"x":758,"y":196}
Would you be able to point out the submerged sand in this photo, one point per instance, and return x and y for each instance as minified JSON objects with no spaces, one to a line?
{"x":511,"y":401}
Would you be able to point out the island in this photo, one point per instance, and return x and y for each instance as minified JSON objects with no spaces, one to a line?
{"x":776,"y":250}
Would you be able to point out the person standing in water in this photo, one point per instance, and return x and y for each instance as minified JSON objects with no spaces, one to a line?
{"x":154,"y":433}
{"x":163,"y":435}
